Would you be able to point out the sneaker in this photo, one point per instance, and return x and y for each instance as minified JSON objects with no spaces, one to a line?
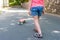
{"x":37,"y":35}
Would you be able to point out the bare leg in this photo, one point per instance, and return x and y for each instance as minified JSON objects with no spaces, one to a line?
{"x":37,"y":26}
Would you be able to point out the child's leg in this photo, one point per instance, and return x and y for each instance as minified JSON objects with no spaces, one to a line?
{"x":35,"y":12}
{"x":37,"y":26}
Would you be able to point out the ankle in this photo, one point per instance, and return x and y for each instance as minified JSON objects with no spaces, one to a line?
{"x":40,"y":32}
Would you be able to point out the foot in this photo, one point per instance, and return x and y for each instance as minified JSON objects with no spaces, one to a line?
{"x":37,"y":35}
{"x":21,"y":22}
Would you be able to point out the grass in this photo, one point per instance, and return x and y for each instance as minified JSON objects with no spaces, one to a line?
{"x":16,"y":2}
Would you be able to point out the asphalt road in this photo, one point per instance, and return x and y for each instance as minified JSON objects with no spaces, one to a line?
{"x":10,"y":30}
